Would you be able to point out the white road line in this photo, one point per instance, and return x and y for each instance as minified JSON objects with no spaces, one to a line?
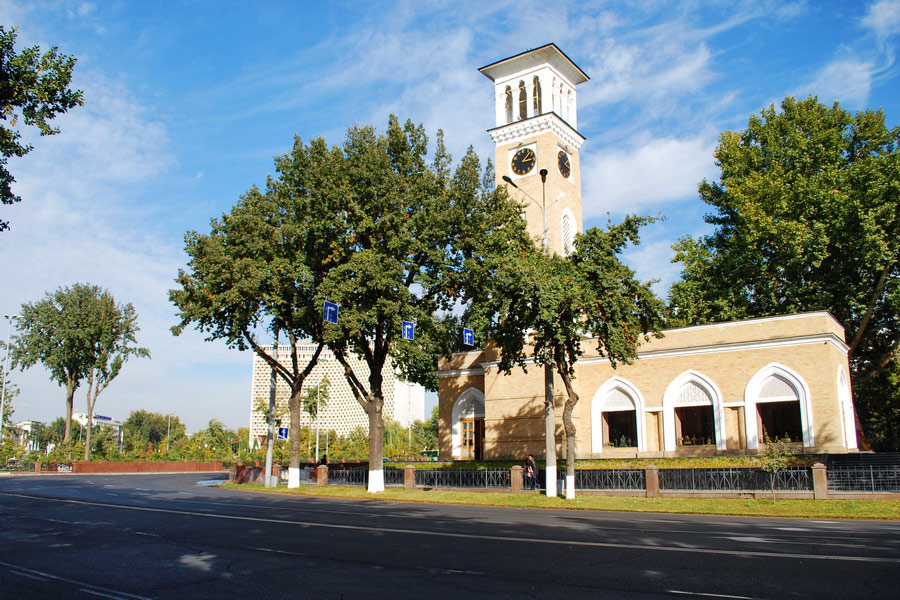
{"x":90,"y":587}
{"x":709,"y":595}
{"x":28,"y":575}
{"x":472,"y":536}
{"x":102,"y":595}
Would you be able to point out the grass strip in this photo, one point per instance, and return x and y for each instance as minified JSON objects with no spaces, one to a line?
{"x":802,"y":509}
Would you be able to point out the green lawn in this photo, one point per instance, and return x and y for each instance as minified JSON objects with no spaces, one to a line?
{"x":818,"y":509}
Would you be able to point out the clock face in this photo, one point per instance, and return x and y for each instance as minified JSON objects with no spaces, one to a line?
{"x":523,"y":161}
{"x":565,"y":167}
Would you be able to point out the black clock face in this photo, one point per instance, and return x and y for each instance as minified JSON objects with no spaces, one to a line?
{"x":565,"y":167}
{"x":523,"y":162}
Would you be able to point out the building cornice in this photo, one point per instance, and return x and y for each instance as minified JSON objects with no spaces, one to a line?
{"x":548,"y":122}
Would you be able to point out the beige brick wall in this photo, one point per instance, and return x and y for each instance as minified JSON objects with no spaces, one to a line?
{"x":514,"y":403}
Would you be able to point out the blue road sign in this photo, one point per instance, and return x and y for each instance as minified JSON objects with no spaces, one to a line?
{"x":468,"y":337}
{"x":283,"y":433}
{"x":409,"y":330}
{"x":330,"y":312}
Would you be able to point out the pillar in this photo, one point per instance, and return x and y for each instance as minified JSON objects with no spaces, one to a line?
{"x":515,"y":479}
{"x":409,"y":477}
{"x":321,"y":475}
{"x":651,"y":480}
{"x":820,"y":481}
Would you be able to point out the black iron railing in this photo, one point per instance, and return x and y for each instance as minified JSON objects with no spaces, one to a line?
{"x":463,"y":478}
{"x":869,"y":478}
{"x":737,"y":479}
{"x":609,"y":479}
{"x":360,"y":476}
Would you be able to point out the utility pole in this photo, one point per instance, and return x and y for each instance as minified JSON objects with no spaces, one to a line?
{"x":318,"y":390}
{"x":549,"y":409}
{"x":270,"y":436}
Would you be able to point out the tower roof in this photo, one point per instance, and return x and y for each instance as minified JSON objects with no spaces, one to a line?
{"x":549,"y":53}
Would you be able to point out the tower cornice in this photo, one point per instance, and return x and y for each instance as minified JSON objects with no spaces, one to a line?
{"x":519,"y":131}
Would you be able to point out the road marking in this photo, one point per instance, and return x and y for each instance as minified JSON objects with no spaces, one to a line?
{"x":145,"y":533}
{"x":710,"y":595}
{"x":470,"y":536}
{"x":21,"y":574}
{"x":102,"y":595}
{"x":90,"y":588}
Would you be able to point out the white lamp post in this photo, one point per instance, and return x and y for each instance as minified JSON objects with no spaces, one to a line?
{"x":9,"y":319}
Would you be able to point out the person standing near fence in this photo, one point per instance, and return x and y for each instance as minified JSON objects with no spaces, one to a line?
{"x":531,"y":472}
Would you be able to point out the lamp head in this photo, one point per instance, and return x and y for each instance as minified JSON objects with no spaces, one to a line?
{"x":508,"y":180}
{"x":543,"y":173}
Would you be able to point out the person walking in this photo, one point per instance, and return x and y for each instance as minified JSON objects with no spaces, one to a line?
{"x":531,"y":472}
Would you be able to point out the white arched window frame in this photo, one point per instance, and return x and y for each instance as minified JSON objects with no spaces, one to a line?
{"x":523,"y":101}
{"x":598,"y":404}
{"x":567,"y":231}
{"x":848,"y":419}
{"x":469,"y":404}
{"x":752,"y":398}
{"x":537,"y":101}
{"x":670,"y":403}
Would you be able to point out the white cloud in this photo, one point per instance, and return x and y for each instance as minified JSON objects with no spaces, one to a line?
{"x":847,"y":80}
{"x":651,"y":173}
{"x":883,"y":17}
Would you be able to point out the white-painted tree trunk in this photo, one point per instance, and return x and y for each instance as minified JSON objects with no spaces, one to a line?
{"x":376,"y":481}
{"x":550,"y":484}
{"x":570,"y":487}
{"x":294,"y":477}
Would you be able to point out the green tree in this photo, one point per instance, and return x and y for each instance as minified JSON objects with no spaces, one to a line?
{"x":806,"y":218}
{"x":407,"y":238}
{"x":113,"y":335}
{"x":60,"y":333}
{"x":34,"y":89}
{"x":260,"y":268}
{"x":11,"y":390}
{"x":142,"y":428}
{"x":559,"y":300}
{"x":776,"y":459}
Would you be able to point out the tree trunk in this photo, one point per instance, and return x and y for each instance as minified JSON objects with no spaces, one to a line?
{"x":90,"y":416}
{"x":569,"y":428}
{"x":376,"y":443}
{"x":294,"y":468}
{"x":70,"y":402}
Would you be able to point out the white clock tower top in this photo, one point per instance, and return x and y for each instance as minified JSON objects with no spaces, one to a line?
{"x":535,"y":91}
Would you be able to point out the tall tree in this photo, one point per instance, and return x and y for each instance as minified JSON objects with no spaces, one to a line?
{"x":259,"y":270}
{"x":55,"y":332}
{"x":143,"y":427}
{"x":10,"y":391}
{"x":807,"y":217}
{"x":113,"y":334}
{"x":565,"y":304}
{"x":408,"y":237}
{"x":34,"y":89}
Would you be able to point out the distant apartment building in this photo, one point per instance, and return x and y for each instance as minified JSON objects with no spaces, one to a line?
{"x":403,"y":402}
{"x":103,"y":421}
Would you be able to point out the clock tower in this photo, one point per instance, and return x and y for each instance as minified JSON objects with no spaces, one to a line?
{"x":537,"y":140}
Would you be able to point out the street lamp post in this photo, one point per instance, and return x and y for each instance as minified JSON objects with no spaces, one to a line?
{"x":9,"y":319}
{"x":549,"y":409}
{"x":271,"y":430}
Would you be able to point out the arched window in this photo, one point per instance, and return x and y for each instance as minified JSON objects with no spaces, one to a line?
{"x":777,"y":406}
{"x":536,"y":91}
{"x":617,"y":416}
{"x":467,"y":425}
{"x":693,"y":413}
{"x":523,"y":101}
{"x":568,"y":232}
{"x":553,"y":96}
{"x":509,"y":105}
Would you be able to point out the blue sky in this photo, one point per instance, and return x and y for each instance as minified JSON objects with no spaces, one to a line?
{"x":186,"y":103}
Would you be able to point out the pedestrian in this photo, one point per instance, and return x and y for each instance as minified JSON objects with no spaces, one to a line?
{"x":324,"y":460}
{"x":531,"y":472}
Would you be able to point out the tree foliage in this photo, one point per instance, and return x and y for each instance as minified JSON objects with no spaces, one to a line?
{"x":806,"y":218}
{"x":143,"y":428}
{"x":77,"y":333}
{"x":34,"y":89}
{"x":560,"y":300}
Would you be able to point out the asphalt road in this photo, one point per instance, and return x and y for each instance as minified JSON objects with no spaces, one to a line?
{"x":164,"y":536}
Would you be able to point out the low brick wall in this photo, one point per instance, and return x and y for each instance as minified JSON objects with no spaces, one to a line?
{"x":81,"y":466}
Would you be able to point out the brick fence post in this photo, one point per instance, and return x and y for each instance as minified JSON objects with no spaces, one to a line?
{"x":651,"y":480}
{"x":37,"y":466}
{"x":321,"y":475}
{"x":515,"y":479}
{"x":820,"y":481}
{"x":409,"y":477}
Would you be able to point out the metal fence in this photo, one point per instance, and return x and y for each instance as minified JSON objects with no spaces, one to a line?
{"x":463,"y":478}
{"x":792,"y":479}
{"x":360,"y":476}
{"x":869,"y":478}
{"x":610,"y":479}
